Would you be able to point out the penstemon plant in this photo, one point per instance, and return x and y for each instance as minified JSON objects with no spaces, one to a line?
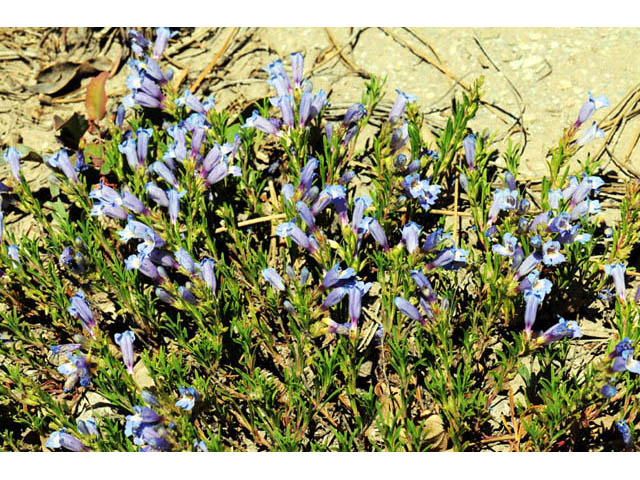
{"x":360,"y":293}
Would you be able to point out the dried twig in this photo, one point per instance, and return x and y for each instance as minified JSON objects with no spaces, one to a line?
{"x":344,"y":58}
{"x":253,"y":221}
{"x":213,"y":62}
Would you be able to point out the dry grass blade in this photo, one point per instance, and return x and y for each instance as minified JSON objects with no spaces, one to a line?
{"x":213,"y":62}
{"x":344,"y":58}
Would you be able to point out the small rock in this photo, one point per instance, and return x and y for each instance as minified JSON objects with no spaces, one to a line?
{"x":532,"y":61}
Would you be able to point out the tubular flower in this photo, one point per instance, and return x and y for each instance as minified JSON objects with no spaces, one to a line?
{"x":562,"y":329}
{"x":125,"y":342}
{"x":617,"y":270}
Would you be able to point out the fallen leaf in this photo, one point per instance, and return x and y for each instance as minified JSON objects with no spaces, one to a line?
{"x":96,"y":102}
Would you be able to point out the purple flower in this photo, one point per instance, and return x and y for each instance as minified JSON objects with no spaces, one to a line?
{"x":87,"y":427}
{"x":434,"y":239}
{"x":421,"y":189}
{"x":144,"y":425}
{"x":76,"y":369}
{"x":305,"y":108}
{"x":409,"y":310}
{"x":399,"y":137}
{"x":174,"y":203}
{"x":133,"y":203}
{"x":125,"y":341}
{"x":142,"y":138}
{"x":353,"y":114}
{"x":509,"y":247}
{"x":335,"y":277}
{"x":371,"y":225}
{"x":617,"y":270}
{"x":608,"y":391}
{"x":534,"y":295}
{"x":14,"y":255}
{"x":162,"y":170}
{"x":360,"y":205}
{"x":448,"y":257}
{"x":502,"y":200}
{"x":623,"y":358}
{"x":138,"y":43}
{"x":560,"y":330}
{"x":12,"y":156}
{"x":291,"y":230}
{"x":187,"y":295}
{"x":66,"y":348}
{"x":207,"y":273}
{"x":410,"y":233}
{"x":284,"y":103}
{"x":157,"y":194}
{"x":261,"y":123}
{"x":143,"y":263}
{"x":589,"y":107}
{"x":163,"y":35}
{"x":185,"y":261}
{"x":356,"y":292}
{"x":591,"y":133}
{"x":625,"y":431}
{"x":189,"y":397}
{"x":346,"y":177}
{"x":426,"y":290}
{"x":318,"y":102}
{"x":308,"y":174}
{"x":528,"y":264}
{"x":305,"y":214}
{"x":400,"y":104}
{"x":61,"y":160}
{"x":274,"y":278}
{"x":469,"y":144}
{"x":297,"y":68}
{"x":335,"y":296}
{"x":79,"y":308}
{"x":551,"y":253}
{"x":62,"y":439}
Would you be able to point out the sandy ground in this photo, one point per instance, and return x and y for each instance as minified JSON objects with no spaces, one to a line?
{"x":536,"y":79}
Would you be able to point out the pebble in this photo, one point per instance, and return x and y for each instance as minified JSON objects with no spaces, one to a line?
{"x":532,"y":61}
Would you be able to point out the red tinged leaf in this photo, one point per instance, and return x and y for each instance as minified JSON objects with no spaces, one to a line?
{"x":96,"y":102}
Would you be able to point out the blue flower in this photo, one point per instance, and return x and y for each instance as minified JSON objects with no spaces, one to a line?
{"x":189,"y":398}
{"x":562,"y":329}
{"x":125,"y":342}
{"x":76,"y":369}
{"x":12,"y":156}
{"x":509,"y":247}
{"x":146,"y":428}
{"x":410,"y":233}
{"x":617,"y":270}
{"x":551,"y":253}
{"x":62,"y":439}
{"x":409,"y":310}
{"x":274,"y":278}
{"x":625,"y":431}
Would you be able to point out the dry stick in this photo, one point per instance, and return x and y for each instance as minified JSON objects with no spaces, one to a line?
{"x":336,"y":52}
{"x":253,"y":221}
{"x":431,"y":62}
{"x":442,"y":68}
{"x":424,"y":41}
{"x":181,"y":78}
{"x":349,"y":63}
{"x":213,"y":62}
{"x":521,"y":105}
